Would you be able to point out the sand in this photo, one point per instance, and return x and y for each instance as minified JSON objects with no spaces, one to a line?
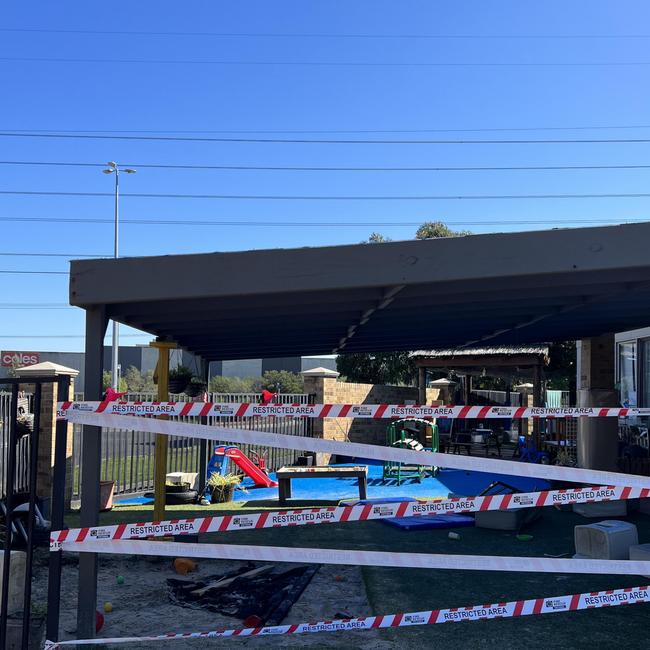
{"x":141,"y":606}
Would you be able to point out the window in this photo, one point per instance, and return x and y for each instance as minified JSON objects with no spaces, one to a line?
{"x":627,"y":368}
{"x":645,"y":378}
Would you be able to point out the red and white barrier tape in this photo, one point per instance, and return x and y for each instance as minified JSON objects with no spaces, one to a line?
{"x":342,"y":514}
{"x":358,"y":450}
{"x":358,"y":558}
{"x":512,"y":609}
{"x":386,"y":411}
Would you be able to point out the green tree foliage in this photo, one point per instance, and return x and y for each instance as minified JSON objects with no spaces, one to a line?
{"x":277,"y":381}
{"x":219,"y":384}
{"x":282,"y":381}
{"x":377,"y":368}
{"x":561,"y":370}
{"x":436,"y":229}
{"x":107,"y":381}
{"x":377,"y":238}
{"x":137,"y":382}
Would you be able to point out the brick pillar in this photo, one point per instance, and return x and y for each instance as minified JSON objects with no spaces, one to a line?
{"x":321,"y":382}
{"x":47,"y":437}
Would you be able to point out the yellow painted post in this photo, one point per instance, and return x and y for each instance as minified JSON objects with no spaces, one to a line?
{"x":161,"y":443}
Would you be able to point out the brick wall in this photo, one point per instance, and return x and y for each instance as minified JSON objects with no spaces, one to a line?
{"x":328,"y":390}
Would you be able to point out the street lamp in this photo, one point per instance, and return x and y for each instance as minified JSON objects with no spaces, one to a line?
{"x":112,"y":168}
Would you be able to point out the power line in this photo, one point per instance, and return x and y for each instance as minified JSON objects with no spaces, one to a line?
{"x":328,"y":35}
{"x":35,"y":272}
{"x":338,"y":64}
{"x":68,"y":255}
{"x":293,"y":197}
{"x":330,"y":168}
{"x":260,"y":131}
{"x":321,"y":224}
{"x":64,"y":336}
{"x":78,"y":136}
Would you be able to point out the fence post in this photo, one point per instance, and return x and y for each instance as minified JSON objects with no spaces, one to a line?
{"x":47,"y":437}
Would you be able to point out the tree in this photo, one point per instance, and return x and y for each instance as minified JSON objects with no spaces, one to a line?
{"x":378,"y":238}
{"x":377,"y":368}
{"x":137,"y":382}
{"x":437,"y":229}
{"x":282,"y":381}
{"x":561,"y":370}
{"x":107,"y":381}
{"x":219,"y":384}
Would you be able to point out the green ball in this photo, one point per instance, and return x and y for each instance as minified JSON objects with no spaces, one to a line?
{"x":120,"y":580}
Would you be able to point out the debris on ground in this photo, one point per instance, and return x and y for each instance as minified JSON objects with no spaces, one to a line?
{"x":263,"y":593}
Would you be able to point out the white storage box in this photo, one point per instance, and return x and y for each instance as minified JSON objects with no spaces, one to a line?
{"x":183,"y":478}
{"x":606,"y":540}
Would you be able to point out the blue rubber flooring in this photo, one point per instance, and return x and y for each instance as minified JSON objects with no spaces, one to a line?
{"x":459,"y":482}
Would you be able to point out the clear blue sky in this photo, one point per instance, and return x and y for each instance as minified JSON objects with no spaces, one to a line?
{"x":171,"y":98}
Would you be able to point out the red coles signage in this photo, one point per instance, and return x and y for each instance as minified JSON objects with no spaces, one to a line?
{"x":18,"y":359}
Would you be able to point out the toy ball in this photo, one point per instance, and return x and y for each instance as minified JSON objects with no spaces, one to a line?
{"x":120,"y":580}
{"x":108,"y":607}
{"x":99,"y":621}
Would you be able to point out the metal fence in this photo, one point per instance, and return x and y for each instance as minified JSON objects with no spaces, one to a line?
{"x":21,"y":482}
{"x":128,"y":457}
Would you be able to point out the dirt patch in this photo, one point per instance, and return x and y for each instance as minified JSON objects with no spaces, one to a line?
{"x":141,"y":605}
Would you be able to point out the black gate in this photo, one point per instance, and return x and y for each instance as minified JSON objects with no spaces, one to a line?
{"x":13,"y":509}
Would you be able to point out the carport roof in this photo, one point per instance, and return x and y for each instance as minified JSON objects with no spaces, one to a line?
{"x":476,"y":290}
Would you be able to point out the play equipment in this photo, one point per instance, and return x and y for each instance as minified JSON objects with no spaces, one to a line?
{"x":255,"y":470}
{"x":415,"y":434}
{"x":528,"y":452}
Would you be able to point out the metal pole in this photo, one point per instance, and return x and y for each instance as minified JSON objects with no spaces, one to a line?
{"x":33,"y":472}
{"x":116,"y":327}
{"x":57,"y":514}
{"x":9,"y":492}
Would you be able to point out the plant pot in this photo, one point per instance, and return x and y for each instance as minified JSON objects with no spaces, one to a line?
{"x":194,"y":389}
{"x":177,"y":386}
{"x":106,"y":489}
{"x":223,"y":493}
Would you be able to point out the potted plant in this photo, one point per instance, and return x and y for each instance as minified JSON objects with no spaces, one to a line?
{"x":179,"y":378}
{"x":195,"y":387}
{"x":223,"y":486}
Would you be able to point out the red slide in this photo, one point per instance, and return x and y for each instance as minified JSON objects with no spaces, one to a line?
{"x":249,"y":468}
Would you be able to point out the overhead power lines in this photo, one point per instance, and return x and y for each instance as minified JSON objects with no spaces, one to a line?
{"x":331,"y":168}
{"x":312,"y":131}
{"x":334,"y":64}
{"x":321,"y":224}
{"x":68,"y":255}
{"x":106,"y":32}
{"x":87,"y":136}
{"x":13,"y":272}
{"x":330,"y":197}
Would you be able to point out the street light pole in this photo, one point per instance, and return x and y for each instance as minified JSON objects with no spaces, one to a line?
{"x":113,"y":168}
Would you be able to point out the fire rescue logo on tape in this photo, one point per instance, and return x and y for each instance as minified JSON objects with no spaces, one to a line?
{"x":243,"y":522}
{"x":523,"y":499}
{"x":85,"y":407}
{"x":100,"y":533}
{"x":384,"y":511}
{"x":223,"y":409}
{"x":555,"y":604}
{"x":361,"y":411}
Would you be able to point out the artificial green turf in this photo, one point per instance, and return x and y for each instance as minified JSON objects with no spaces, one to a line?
{"x":401,"y":590}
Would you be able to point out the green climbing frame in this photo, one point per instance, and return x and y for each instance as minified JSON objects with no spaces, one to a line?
{"x":416,"y":434}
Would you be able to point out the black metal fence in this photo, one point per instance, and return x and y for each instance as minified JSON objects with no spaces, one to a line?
{"x":21,"y":478}
{"x":128,"y":456}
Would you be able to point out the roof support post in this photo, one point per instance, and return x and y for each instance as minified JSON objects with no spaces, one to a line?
{"x":91,"y":455}
{"x":161,"y":441}
{"x":422,"y":385}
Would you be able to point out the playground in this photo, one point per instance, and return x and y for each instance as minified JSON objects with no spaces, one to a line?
{"x":368,"y":590}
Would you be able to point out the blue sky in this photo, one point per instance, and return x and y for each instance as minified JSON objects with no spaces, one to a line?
{"x":299,"y":101}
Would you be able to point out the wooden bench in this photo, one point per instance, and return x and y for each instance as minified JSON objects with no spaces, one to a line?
{"x":285,"y":474}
